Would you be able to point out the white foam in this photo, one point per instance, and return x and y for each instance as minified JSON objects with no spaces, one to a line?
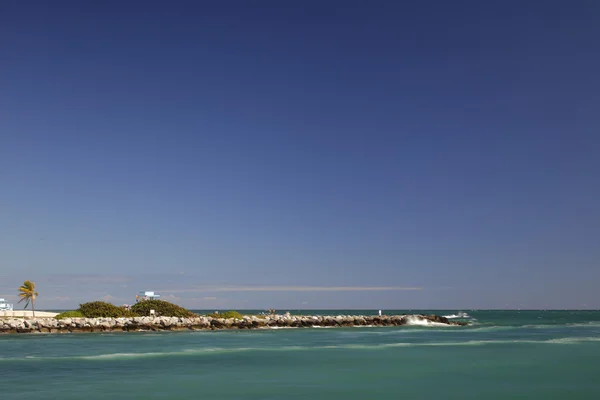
{"x":459,"y":315}
{"x":573,"y":340}
{"x":415,"y":320}
{"x":278,"y":327}
{"x":206,"y":350}
{"x":119,"y":356}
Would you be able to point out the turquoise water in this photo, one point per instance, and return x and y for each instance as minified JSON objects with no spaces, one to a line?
{"x":504,"y":354}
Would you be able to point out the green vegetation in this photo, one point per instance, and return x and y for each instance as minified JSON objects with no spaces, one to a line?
{"x":161,"y":308}
{"x":102,"y":309}
{"x":28,"y":294}
{"x":227,"y":315}
{"x":70,"y":314}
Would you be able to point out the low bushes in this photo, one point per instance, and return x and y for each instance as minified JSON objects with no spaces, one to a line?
{"x":161,"y":308}
{"x":102,"y":309}
{"x":70,"y":314}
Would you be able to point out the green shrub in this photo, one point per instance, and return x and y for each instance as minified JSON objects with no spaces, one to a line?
{"x":227,"y":315}
{"x":70,"y":314}
{"x":102,"y":309}
{"x":161,"y":308}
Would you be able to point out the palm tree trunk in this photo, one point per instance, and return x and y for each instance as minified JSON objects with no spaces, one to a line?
{"x":33,"y":306}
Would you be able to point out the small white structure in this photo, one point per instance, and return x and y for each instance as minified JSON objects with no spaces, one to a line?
{"x":4,"y":306}
{"x":141,"y":296}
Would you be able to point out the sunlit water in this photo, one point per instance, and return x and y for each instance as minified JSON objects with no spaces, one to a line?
{"x":503,"y":355}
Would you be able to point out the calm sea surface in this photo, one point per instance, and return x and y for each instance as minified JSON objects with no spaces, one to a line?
{"x":503,"y":355}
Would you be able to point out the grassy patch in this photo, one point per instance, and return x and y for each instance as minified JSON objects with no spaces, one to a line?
{"x":227,"y":315}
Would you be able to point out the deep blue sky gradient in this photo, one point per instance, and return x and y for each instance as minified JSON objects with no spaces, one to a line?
{"x":452,"y":147}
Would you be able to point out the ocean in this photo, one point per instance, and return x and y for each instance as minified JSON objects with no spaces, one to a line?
{"x":502,"y":355}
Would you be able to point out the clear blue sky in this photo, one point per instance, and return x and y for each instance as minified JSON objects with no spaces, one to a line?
{"x":308,"y":154}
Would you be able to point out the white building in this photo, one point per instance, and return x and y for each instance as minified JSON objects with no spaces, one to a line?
{"x":4,"y":306}
{"x":141,"y":296}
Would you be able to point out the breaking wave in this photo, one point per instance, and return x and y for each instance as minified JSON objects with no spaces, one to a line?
{"x":458,"y":315}
{"x":415,"y":320}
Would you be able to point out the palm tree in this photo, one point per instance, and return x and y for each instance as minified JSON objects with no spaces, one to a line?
{"x":28,"y":294}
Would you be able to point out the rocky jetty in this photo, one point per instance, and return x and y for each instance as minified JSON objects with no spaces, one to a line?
{"x":67,"y":325}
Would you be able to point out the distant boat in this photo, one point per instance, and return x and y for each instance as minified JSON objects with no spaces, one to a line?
{"x":4,"y":306}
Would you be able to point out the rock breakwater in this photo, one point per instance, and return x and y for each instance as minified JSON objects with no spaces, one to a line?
{"x":68,"y":325}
